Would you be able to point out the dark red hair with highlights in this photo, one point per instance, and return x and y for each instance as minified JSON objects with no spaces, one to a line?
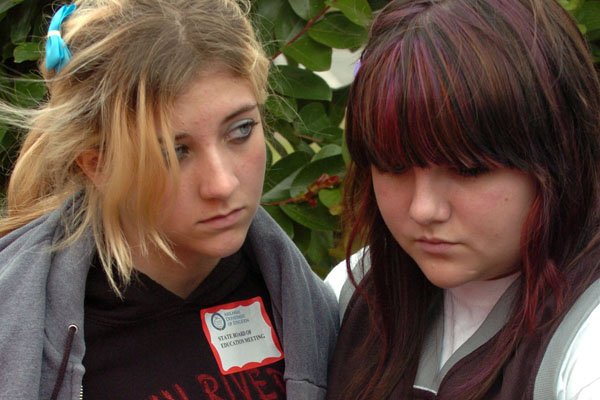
{"x":474,"y":83}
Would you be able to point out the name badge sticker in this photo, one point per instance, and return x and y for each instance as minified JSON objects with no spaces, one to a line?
{"x":241,"y":335}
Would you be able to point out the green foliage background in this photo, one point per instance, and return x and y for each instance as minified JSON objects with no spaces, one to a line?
{"x":306,"y":168}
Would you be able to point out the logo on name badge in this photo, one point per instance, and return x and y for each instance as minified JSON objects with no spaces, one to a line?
{"x":217,"y":321}
{"x":241,"y":335}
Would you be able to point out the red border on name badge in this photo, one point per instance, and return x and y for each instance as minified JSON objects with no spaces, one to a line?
{"x":231,"y":306}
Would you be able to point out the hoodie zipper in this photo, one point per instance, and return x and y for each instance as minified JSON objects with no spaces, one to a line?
{"x":65,"y":359}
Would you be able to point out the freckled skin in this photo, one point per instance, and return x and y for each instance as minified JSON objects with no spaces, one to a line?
{"x":458,"y":229}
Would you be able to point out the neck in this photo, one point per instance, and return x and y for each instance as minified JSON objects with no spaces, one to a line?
{"x":180,"y":277}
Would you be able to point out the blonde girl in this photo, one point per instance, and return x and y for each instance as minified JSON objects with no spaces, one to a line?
{"x":135,"y":261}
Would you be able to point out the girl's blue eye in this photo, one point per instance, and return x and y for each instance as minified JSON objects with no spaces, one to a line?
{"x":241,"y":130}
{"x":181,"y":151}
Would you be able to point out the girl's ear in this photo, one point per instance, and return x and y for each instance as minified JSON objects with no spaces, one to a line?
{"x":89,"y":162}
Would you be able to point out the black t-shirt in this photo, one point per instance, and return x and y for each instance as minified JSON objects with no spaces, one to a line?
{"x":152,"y":344}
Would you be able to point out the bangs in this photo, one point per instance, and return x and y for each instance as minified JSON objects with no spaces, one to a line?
{"x":432,"y":98}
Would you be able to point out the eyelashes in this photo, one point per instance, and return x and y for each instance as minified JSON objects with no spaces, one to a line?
{"x":472,"y":171}
{"x":241,"y":130}
{"x":462,"y":171}
{"x":181,"y":151}
{"x":237,"y":133}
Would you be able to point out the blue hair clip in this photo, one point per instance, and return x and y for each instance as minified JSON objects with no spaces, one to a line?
{"x":57,"y":52}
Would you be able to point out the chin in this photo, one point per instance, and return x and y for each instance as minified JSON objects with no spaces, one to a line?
{"x":228,"y":251}
{"x":225,"y":246}
{"x":446,"y":282}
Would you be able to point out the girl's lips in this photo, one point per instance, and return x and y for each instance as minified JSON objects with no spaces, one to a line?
{"x":223,"y":221}
{"x":434,"y":246}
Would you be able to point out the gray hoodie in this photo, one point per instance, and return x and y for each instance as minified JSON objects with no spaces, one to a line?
{"x":42,"y":294}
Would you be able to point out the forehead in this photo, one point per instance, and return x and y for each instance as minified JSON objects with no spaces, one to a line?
{"x":213,"y":97}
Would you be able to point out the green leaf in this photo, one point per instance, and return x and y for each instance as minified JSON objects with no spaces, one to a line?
{"x":570,"y":5}
{"x":337,"y":107}
{"x":377,"y":4}
{"x":302,"y":237}
{"x":318,"y":218}
{"x":3,"y":130}
{"x":29,"y":91}
{"x":6,"y":5}
{"x":309,"y":53}
{"x":265,"y":15}
{"x":27,"y":51}
{"x":335,"y":30}
{"x":589,"y":15}
{"x":288,"y":132}
{"x":332,"y":134}
{"x":269,"y":152}
{"x":313,"y":118}
{"x":290,"y":61}
{"x":281,"y":176}
{"x":345,"y":153}
{"x":7,"y":50}
{"x":306,"y":9}
{"x":265,"y":33}
{"x":299,"y":83}
{"x":282,"y":107}
{"x":287,"y":26}
{"x":331,"y":197}
{"x":329,"y":150}
{"x":310,"y":173}
{"x":357,"y":11}
{"x":318,"y":250}
{"x":596,"y":54}
{"x":279,"y":192}
{"x":40,"y":22}
{"x":593,"y":36}
{"x":284,"y":168}
{"x":305,"y":147}
{"x":269,"y":10}
{"x":276,"y":146}
{"x":282,"y":219}
{"x":20,"y":29}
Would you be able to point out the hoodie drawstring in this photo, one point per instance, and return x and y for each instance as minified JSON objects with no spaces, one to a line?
{"x":65,"y":359}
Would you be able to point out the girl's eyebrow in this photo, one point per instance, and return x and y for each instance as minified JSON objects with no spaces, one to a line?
{"x":241,"y":110}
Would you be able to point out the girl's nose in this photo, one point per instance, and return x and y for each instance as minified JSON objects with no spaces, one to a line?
{"x":216,"y":176}
{"x":429,"y":203}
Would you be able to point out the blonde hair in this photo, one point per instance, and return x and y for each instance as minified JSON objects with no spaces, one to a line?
{"x":130,"y":60}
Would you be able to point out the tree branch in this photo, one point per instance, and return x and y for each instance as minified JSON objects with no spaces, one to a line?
{"x":325,"y":181}
{"x":308,"y":25}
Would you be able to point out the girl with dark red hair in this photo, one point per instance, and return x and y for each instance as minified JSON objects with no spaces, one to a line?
{"x":474,"y":131}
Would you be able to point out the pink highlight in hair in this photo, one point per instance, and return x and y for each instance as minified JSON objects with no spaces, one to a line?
{"x":466,"y":84}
